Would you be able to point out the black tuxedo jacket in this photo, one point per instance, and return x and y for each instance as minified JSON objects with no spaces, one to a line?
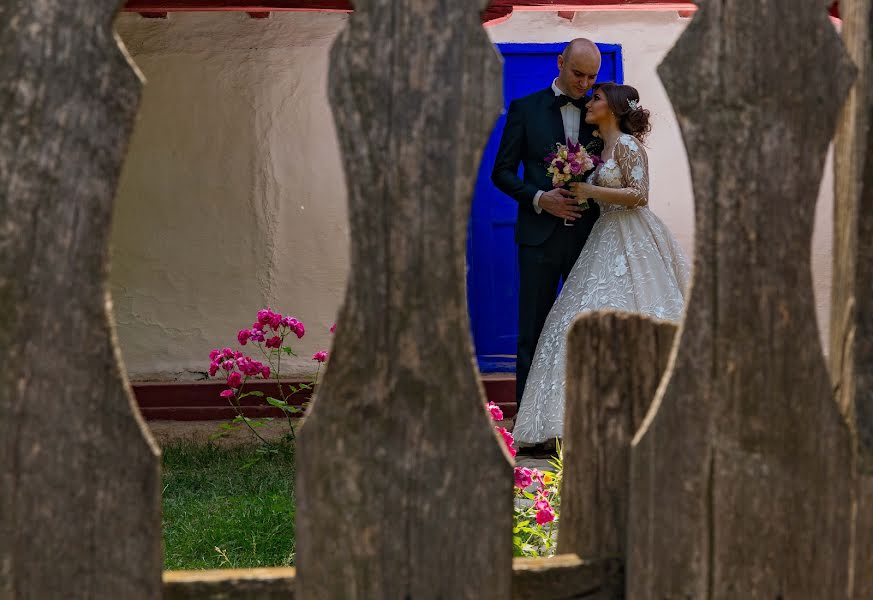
{"x":533,"y":127}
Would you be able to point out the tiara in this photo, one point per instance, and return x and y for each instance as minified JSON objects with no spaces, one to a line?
{"x":633,"y":104}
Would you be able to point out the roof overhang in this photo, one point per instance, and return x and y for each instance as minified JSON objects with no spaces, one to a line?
{"x":498,"y":9}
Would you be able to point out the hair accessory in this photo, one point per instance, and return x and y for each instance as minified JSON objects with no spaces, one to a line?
{"x":633,"y":104}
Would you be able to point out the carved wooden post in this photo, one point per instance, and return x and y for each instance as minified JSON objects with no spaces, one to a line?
{"x":615,"y":362}
{"x":741,"y":481}
{"x":851,"y":354}
{"x":404,"y":490}
{"x":79,"y":481}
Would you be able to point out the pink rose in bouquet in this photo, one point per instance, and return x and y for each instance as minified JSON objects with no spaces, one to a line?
{"x":568,"y":164}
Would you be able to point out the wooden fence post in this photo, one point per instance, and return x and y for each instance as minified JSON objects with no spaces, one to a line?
{"x":79,"y":480}
{"x":851,"y":354}
{"x":616,"y":361}
{"x":404,"y":490}
{"x":740,"y":476}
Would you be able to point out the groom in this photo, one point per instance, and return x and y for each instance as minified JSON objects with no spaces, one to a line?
{"x":547,"y":248}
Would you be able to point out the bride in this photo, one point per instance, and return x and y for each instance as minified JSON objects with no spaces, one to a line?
{"x":631,"y":261}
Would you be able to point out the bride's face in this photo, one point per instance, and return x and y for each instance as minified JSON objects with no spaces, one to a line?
{"x":598,"y":109}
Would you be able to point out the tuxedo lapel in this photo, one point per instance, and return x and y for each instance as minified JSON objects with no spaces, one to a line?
{"x":555,"y":121}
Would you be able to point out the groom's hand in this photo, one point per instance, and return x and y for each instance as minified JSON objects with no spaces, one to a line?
{"x":561,"y":203}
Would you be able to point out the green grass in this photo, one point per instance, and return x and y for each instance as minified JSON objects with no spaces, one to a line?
{"x":220,"y":511}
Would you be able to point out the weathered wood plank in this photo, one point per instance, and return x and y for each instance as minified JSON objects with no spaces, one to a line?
{"x":557,"y":578}
{"x":404,"y":489}
{"x":79,"y":481}
{"x":851,"y":355}
{"x":230,"y":584}
{"x":619,"y":361}
{"x":740,"y":476}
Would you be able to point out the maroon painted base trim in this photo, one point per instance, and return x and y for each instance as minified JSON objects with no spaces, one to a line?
{"x":200,"y":401}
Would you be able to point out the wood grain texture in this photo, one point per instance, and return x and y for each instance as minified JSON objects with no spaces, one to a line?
{"x":404,"y":489}
{"x":616,"y":362}
{"x":556,"y":578}
{"x":851,"y":354}
{"x":79,"y":481}
{"x":740,"y":476}
{"x":231,"y":584}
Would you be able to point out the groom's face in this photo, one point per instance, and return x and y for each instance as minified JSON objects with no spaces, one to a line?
{"x":578,"y":72}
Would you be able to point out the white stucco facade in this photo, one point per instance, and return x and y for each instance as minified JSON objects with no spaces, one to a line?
{"x":232,"y":197}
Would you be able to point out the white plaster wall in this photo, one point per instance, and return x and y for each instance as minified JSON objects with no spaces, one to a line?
{"x":232,"y":196}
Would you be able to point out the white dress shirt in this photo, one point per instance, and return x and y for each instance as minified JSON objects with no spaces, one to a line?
{"x":572,"y":117}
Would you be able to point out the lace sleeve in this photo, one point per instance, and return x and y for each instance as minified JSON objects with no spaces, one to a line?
{"x":634,"y":166}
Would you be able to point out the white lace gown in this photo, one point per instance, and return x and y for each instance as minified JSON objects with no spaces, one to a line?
{"x":631,"y":262}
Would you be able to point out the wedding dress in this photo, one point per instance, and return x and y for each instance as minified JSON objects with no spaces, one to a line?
{"x":631,"y":262}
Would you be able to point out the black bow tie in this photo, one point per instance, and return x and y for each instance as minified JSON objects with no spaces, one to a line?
{"x":562,"y":100}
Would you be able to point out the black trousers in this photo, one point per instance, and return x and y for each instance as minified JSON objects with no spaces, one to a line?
{"x":541,"y":268}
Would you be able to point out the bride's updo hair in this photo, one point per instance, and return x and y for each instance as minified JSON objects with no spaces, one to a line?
{"x":623,"y":101}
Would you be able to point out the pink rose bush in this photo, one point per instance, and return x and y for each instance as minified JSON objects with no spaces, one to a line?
{"x":268,"y":336}
{"x":537,"y":500}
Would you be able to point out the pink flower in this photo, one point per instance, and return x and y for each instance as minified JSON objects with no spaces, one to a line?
{"x":545,"y":516}
{"x":265,"y":371}
{"x":227,"y":352}
{"x":575,"y":168}
{"x":333,"y":328}
{"x":495,"y":411}
{"x":320,"y":356}
{"x":295,"y":326}
{"x":522,"y":477}
{"x":214,"y":354}
{"x":274,"y":342}
{"x":257,"y":335}
{"x":542,"y":504}
{"x":257,"y":326}
{"x":265,"y":315}
{"x":507,"y":439}
{"x":234,"y":380}
{"x":226,"y":393}
{"x":596,"y":160}
{"x":213,"y":369}
{"x":243,"y":336}
{"x":227,"y":365}
{"x":249,"y":367}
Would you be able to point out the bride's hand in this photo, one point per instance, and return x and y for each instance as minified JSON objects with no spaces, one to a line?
{"x":582,"y":190}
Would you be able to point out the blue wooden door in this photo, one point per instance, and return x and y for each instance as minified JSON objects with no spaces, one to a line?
{"x":492,"y":257}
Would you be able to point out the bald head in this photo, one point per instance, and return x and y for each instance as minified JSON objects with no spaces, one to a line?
{"x":581,"y":46}
{"x":578,"y":65}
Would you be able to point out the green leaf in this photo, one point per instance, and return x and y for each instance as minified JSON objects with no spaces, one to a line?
{"x":287,"y":350}
{"x":277,"y":403}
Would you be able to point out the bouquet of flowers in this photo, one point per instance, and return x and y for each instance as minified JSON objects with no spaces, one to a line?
{"x":568,"y":164}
